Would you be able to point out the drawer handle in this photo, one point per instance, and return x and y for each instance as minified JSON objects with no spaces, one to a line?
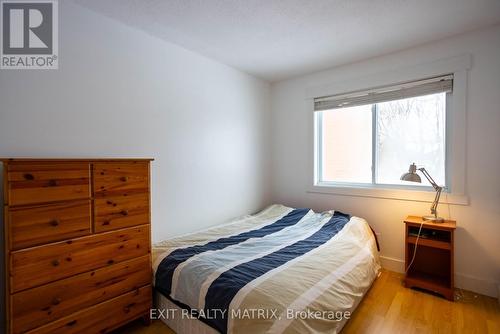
{"x":54,"y":222}
{"x":52,"y":183}
{"x":29,"y":176}
{"x":124,"y":212}
{"x":56,"y":301}
{"x":127,"y":308}
{"x":106,"y":222}
{"x":124,"y":178}
{"x":55,"y":263}
{"x":111,"y":261}
{"x":71,"y":323}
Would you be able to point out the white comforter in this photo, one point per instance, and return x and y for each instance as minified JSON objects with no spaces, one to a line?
{"x":314,"y":291}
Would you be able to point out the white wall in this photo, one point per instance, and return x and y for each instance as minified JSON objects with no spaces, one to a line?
{"x":122,"y":93}
{"x":477,"y":249}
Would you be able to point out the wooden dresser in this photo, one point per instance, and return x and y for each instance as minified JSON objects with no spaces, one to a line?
{"x":77,"y":244}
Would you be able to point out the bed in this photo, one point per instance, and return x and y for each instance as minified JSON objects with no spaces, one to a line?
{"x":282,"y":270}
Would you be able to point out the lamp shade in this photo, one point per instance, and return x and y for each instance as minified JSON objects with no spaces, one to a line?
{"x":412,"y":175}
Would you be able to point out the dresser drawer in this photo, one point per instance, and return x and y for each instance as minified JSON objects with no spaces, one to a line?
{"x":43,"y":264}
{"x":117,"y":212}
{"x":121,"y":178}
{"x":41,"y":183}
{"x":103,"y":317}
{"x":48,"y":223}
{"x":47,"y":303}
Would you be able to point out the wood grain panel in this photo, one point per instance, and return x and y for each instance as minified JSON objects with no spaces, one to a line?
{"x":44,"y":166}
{"x":41,"y":183}
{"x":103,"y":317}
{"x":120,"y":178}
{"x":40,"y":265}
{"x":27,"y":161}
{"x":119,"y":212}
{"x":47,"y":303}
{"x":65,"y":274}
{"x":48,"y":223}
{"x":6,"y":251}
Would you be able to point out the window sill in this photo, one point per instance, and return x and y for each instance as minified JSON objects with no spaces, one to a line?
{"x":390,"y":193}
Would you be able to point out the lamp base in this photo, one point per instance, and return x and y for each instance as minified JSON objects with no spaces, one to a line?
{"x":436,"y":220}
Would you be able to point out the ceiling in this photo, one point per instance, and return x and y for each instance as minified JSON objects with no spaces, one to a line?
{"x":275,"y":39}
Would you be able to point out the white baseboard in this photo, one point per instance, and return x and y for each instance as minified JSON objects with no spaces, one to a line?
{"x":392,"y":264}
{"x":463,"y":281}
{"x":476,"y":284}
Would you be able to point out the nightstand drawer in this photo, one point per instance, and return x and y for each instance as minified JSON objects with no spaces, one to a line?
{"x":429,"y":242}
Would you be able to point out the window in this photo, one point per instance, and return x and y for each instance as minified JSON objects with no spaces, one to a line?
{"x":371,"y":137}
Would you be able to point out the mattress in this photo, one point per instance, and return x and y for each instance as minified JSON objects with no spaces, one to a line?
{"x":172,"y":316}
{"x":282,"y":270}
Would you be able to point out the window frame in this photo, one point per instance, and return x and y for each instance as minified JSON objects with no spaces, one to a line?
{"x":318,"y":119}
{"x":455,"y":162}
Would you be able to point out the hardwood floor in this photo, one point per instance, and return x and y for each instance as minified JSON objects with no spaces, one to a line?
{"x":389,"y":307}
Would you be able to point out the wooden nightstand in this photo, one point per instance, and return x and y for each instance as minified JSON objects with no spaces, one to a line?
{"x":432,"y":268}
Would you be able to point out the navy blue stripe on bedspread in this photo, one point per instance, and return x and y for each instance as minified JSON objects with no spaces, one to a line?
{"x":226,"y":286}
{"x":165,"y":271}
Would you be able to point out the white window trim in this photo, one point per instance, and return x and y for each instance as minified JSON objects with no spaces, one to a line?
{"x":456,"y":131}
